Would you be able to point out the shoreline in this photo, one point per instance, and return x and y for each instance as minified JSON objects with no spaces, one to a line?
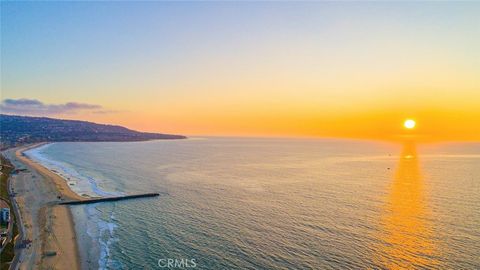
{"x":60,"y":182}
{"x":55,"y":223}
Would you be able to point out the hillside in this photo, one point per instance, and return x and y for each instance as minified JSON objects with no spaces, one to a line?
{"x":17,"y":130}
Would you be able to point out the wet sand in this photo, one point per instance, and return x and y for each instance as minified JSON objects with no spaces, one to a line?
{"x":50,"y":227}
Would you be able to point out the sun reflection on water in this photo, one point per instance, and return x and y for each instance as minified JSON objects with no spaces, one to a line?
{"x":406,"y":233}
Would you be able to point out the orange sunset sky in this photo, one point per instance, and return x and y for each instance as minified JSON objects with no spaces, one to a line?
{"x":318,"y":69}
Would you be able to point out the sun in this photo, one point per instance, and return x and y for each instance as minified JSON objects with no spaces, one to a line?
{"x":409,"y":124}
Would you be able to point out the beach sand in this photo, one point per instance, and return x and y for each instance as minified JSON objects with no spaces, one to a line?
{"x":59,"y":237}
{"x":49,"y":226}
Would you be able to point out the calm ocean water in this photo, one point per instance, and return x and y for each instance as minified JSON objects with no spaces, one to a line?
{"x":275,"y":203}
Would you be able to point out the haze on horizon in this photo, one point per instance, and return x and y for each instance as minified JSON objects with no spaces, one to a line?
{"x":335,"y":69}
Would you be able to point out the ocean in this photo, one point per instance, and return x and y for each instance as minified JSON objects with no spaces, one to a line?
{"x":244,"y":203}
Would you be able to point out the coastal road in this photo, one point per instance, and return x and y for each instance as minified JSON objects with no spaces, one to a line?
{"x":21,"y":230}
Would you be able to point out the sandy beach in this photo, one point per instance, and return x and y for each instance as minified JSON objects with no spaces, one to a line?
{"x":50,"y":227}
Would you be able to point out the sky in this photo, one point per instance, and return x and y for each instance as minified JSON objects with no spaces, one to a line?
{"x":306,"y":69}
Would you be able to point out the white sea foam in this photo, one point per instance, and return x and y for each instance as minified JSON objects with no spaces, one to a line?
{"x":106,"y":238}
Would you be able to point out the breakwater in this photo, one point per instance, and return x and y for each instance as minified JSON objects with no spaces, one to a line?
{"x":109,"y":199}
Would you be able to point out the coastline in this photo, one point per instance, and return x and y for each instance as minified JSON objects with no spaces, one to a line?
{"x":51,"y":225}
{"x":60,"y":183}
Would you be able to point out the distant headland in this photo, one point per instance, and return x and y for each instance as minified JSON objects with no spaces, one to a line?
{"x":17,"y":130}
